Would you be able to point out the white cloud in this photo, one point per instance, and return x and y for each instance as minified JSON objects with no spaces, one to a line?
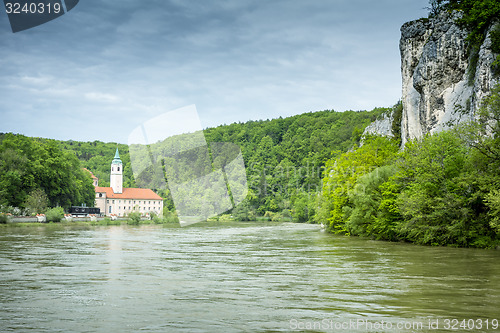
{"x":101,"y":97}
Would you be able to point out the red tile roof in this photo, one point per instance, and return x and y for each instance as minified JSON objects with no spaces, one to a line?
{"x":91,"y":174}
{"x":129,"y":193}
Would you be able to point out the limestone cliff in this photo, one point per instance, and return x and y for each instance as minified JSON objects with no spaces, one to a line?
{"x":435,"y":74}
{"x":381,"y":126}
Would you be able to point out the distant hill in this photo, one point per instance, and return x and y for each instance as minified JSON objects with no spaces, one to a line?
{"x":301,"y":143}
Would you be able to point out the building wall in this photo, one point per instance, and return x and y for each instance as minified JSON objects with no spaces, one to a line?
{"x":100,"y":202}
{"x":116,"y":178}
{"x":122,"y":207}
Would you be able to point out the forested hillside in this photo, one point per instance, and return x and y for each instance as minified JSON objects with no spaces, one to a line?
{"x":96,"y":156}
{"x":442,"y":189}
{"x":284,"y":158}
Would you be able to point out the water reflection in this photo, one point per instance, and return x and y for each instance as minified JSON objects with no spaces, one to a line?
{"x":114,"y":251}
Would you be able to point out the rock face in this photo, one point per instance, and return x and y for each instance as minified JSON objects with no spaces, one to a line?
{"x":381,"y":126}
{"x":434,"y":68}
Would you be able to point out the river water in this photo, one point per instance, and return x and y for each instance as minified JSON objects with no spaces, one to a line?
{"x":238,"y":277}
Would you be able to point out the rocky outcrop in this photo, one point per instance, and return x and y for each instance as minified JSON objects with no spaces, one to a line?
{"x":435,"y":75}
{"x":381,"y":126}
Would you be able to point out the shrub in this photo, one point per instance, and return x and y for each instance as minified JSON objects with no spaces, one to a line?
{"x":55,"y":214}
{"x":225,"y":218}
{"x":37,"y":201}
{"x":104,"y":221}
{"x":108,"y":221}
{"x":3,"y":218}
{"x":277,"y":217}
{"x":158,"y":220}
{"x":170,"y":217}
{"x":268,"y":216}
{"x":134,"y":218}
{"x":493,"y":202}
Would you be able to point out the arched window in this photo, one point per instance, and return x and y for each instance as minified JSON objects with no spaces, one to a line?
{"x":118,"y":169}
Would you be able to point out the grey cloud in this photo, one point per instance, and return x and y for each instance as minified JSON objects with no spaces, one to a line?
{"x":236,"y":60}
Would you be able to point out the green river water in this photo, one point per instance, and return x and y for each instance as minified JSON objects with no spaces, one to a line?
{"x":238,"y":277}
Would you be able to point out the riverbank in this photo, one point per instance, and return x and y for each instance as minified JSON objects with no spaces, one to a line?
{"x":30,"y":221}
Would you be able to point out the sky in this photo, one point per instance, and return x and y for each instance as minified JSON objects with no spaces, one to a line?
{"x":106,"y":67}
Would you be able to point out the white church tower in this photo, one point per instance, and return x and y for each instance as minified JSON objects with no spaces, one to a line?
{"x":116,"y":178}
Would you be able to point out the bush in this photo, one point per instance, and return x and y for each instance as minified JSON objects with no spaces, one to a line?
{"x":16,"y":211}
{"x":134,"y":218}
{"x":55,"y":214}
{"x":225,"y":218}
{"x":3,"y":218}
{"x":277,"y":217}
{"x":37,"y":201}
{"x":158,"y":220}
{"x":268,"y":216}
{"x":493,"y":202}
{"x":170,"y":217}
{"x":105,"y":221}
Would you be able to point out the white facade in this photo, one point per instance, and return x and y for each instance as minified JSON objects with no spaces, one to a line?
{"x":116,"y":178}
{"x":119,"y":201}
{"x":124,"y":206}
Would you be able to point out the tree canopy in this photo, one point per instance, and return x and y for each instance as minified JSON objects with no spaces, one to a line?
{"x":36,"y":173}
{"x":442,"y":189}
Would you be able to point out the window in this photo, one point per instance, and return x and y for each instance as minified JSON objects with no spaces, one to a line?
{"x":107,"y":201}
{"x":113,"y":201}
{"x":118,"y":168}
{"x":110,"y":209}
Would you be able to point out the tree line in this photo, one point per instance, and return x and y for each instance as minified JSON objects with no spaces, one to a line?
{"x":284,"y":161}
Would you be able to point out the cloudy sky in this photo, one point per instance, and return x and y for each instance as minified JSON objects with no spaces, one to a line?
{"x":105,"y":67}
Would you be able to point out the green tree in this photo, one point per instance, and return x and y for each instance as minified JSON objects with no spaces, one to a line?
{"x":37,"y":201}
{"x":373,"y":212}
{"x":55,"y":214}
{"x":134,"y":218}
{"x":483,"y":133}
{"x":343,"y":172}
{"x":493,"y":202}
{"x":27,"y":164}
{"x":441,"y":199}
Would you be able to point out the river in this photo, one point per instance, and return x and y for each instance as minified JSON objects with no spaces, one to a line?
{"x":237,"y":277}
